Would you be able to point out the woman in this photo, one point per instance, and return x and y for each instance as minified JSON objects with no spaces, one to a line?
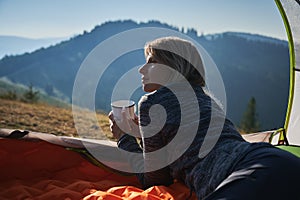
{"x":233,"y":168}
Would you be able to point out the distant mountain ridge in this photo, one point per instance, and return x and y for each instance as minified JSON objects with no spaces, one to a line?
{"x":251,"y":65}
{"x":15,"y":45}
{"x":259,"y":38}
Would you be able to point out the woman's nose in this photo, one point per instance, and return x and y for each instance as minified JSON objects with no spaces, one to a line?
{"x":142,"y":68}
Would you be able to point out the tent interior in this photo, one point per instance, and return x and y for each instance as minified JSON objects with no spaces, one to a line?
{"x":44,"y":166}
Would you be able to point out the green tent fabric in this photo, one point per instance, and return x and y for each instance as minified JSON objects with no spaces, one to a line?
{"x":293,"y":149}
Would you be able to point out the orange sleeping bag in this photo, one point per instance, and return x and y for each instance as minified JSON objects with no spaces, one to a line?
{"x":41,"y":170}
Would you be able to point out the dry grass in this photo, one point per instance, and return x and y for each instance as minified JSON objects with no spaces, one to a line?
{"x":50,"y":119}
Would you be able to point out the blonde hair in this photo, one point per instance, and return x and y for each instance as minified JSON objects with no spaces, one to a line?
{"x":180,"y":55}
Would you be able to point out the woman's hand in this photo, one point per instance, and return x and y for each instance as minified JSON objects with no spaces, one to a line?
{"x":114,"y":128}
{"x":125,"y":125}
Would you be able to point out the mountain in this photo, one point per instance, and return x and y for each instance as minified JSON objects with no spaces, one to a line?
{"x":259,"y":38}
{"x":253,"y":68}
{"x":250,"y":65}
{"x":13,"y":45}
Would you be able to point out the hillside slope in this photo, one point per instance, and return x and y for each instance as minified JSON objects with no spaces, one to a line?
{"x":48,"y":119}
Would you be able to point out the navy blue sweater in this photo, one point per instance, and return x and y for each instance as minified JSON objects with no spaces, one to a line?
{"x":174,"y":126}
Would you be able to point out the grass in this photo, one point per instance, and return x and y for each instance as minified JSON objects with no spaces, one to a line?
{"x":41,"y":117}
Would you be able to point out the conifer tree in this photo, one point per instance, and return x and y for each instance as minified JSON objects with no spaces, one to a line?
{"x":249,"y":122}
{"x":30,"y":96}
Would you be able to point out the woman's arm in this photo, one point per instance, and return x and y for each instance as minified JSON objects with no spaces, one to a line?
{"x":156,"y":132}
{"x":129,"y":143}
{"x":147,"y":179}
{"x":156,"y":129}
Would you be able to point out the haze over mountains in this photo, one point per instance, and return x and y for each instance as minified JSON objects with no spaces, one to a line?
{"x":14,"y":45}
{"x":251,"y":66}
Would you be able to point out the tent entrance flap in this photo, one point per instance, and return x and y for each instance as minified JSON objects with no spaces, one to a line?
{"x":290,"y":10}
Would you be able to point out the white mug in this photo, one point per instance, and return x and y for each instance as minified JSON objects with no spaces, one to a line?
{"x":118,"y":106}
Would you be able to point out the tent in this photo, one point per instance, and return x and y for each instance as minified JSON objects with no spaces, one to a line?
{"x":290,"y":11}
{"x":290,"y":133}
{"x":288,"y":137}
{"x":43,"y":166}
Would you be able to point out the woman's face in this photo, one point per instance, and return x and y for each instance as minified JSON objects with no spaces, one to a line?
{"x":154,"y":74}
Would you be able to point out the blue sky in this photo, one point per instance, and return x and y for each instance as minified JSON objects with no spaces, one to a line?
{"x":64,"y":18}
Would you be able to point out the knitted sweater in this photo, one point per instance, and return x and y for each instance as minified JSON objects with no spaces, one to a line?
{"x":200,"y":174}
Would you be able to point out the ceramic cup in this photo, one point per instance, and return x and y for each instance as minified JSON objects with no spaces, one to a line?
{"x":117,"y":107}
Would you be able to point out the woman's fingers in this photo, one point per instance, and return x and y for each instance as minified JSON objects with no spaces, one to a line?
{"x":124,"y":125}
{"x":125,"y":121}
{"x":111,"y":116}
{"x":114,"y":128}
{"x":136,"y":119}
{"x":116,"y":131}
